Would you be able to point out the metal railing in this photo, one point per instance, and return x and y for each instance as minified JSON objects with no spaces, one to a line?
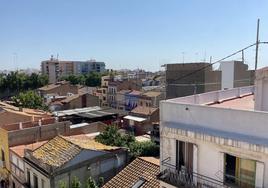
{"x":187,"y":178}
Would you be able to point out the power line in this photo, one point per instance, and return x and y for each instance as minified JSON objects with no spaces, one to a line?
{"x":218,"y":61}
{"x":210,"y":83}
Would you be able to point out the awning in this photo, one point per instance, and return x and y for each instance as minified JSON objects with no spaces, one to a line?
{"x":135,"y":118}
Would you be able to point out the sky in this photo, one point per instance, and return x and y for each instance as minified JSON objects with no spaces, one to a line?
{"x":129,"y":33}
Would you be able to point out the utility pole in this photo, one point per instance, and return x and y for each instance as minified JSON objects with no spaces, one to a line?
{"x":257,"y":45}
{"x":210,"y":59}
{"x":243,"y":57}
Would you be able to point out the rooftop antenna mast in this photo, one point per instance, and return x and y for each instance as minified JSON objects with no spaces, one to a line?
{"x":257,"y":45}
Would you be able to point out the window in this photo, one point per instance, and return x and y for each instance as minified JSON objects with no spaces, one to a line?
{"x":28,"y":177}
{"x":239,"y":172}
{"x":35,"y":181}
{"x":3,"y":155}
{"x":43,"y":183}
{"x":184,"y":153}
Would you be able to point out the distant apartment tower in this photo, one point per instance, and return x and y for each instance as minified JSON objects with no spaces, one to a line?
{"x":56,"y":69}
{"x":194,"y":78}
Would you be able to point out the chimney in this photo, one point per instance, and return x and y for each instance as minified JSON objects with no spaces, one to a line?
{"x":261,"y":89}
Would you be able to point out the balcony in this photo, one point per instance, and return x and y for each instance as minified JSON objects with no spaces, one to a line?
{"x":185,"y":178}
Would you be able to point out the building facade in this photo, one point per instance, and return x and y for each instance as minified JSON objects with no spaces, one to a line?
{"x":215,"y":139}
{"x":55,"y":69}
{"x":194,"y":78}
{"x":61,"y":159}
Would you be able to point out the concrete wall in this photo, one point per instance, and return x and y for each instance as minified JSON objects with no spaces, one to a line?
{"x":221,"y":119}
{"x":227,"y":69}
{"x":85,"y":100}
{"x":9,"y":117}
{"x":4,"y":147}
{"x":204,"y":125}
{"x":104,"y":166}
{"x":261,"y":82}
{"x":231,"y":74}
{"x":210,"y":156}
{"x":39,"y":133}
{"x":62,"y":90}
{"x":174,"y":73}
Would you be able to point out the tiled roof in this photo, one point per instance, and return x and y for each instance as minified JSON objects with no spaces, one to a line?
{"x":144,"y":110}
{"x":48,"y":87}
{"x":61,"y":149}
{"x":52,"y":86}
{"x":152,"y":93}
{"x":135,"y":171}
{"x":56,"y":152}
{"x":70,"y":98}
{"x":88,"y":143}
{"x":25,"y":111}
{"x":135,"y":92}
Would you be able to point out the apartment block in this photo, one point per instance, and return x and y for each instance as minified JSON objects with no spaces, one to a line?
{"x":194,"y":78}
{"x":55,"y":69}
{"x":216,"y":139}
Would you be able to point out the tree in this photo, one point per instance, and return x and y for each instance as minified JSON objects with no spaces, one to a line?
{"x":93,"y":79}
{"x":147,"y":148}
{"x":112,"y":137}
{"x":75,"y":183}
{"x":16,"y":82}
{"x":62,"y":184}
{"x":101,"y":182}
{"x":91,"y":183}
{"x":29,"y":99}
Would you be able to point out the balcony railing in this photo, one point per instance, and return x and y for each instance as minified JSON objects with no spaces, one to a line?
{"x":187,"y":178}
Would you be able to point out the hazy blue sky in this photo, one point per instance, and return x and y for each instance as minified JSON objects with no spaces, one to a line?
{"x":128,"y":33}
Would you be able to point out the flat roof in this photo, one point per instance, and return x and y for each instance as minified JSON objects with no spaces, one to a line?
{"x":239,"y":103}
{"x":135,"y":118}
{"x":19,"y":150}
{"x":76,"y":111}
{"x":240,"y":98}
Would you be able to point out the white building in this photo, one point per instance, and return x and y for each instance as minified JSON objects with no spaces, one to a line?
{"x":216,"y":139}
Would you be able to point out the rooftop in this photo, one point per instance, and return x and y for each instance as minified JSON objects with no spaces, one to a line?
{"x":26,"y":111}
{"x":56,"y":152}
{"x":48,"y":87}
{"x":134,"y":92}
{"x":144,"y":169}
{"x":61,"y":149}
{"x":144,"y":110}
{"x":19,"y":150}
{"x":152,"y":93}
{"x":241,"y":98}
{"x":239,"y":103}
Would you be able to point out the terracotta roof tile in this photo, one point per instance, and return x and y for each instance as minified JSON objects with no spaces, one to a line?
{"x":132,"y":173}
{"x":56,"y":152}
{"x":144,"y":110}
